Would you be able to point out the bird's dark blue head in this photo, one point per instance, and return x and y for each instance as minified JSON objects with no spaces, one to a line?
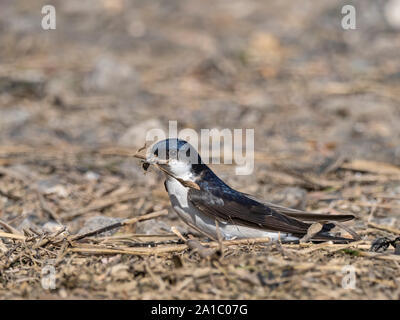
{"x":175,"y":155}
{"x":182,"y":160}
{"x":174,"y":149}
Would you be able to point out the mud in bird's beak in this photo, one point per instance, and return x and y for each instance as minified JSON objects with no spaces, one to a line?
{"x":148,"y":158}
{"x":142,"y":155}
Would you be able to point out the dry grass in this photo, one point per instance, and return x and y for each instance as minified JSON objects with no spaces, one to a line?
{"x":170,"y":265}
{"x":76,"y":102}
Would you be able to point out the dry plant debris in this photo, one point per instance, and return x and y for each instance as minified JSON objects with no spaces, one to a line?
{"x":132,"y":264}
{"x":76,"y":103}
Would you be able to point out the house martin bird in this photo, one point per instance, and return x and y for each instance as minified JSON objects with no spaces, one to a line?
{"x":209,"y":205}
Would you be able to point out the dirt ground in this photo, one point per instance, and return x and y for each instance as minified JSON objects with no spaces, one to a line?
{"x":76,"y":102}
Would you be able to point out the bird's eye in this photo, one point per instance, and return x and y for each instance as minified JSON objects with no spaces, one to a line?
{"x":156,"y":152}
{"x":188,"y":152}
{"x":172,"y":153}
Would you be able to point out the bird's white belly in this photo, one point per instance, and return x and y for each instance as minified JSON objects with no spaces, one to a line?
{"x":191,"y":215}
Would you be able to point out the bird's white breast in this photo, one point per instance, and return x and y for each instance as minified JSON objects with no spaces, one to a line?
{"x":178,"y":195}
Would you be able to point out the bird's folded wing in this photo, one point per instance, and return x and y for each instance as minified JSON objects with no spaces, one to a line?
{"x":242,"y":210}
{"x":303,"y":215}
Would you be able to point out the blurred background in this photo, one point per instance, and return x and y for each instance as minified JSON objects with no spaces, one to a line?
{"x":113,"y":69}
{"x":75,"y":101}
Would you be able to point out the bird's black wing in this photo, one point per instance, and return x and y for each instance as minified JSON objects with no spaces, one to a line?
{"x":231,"y":206}
{"x":303,"y":215}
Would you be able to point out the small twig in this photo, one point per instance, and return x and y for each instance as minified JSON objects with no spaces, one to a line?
{"x":185,"y":183}
{"x":138,"y":153}
{"x":102,"y":204}
{"x":12,"y":236}
{"x":137,"y":251}
{"x":164,"y":249}
{"x":138,"y":235}
{"x":9,"y":228}
{"x":335,"y":247}
{"x":380,"y":168}
{"x":120,"y":224}
{"x":333,"y":165}
{"x":371,"y":214}
{"x":49,"y":238}
{"x":176,"y":231}
{"x":384,"y":228}
{"x":45,"y":207}
{"x":379,"y":256}
{"x":61,"y":253}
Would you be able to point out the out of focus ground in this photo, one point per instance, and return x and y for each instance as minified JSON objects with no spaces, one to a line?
{"x":76,"y":102}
